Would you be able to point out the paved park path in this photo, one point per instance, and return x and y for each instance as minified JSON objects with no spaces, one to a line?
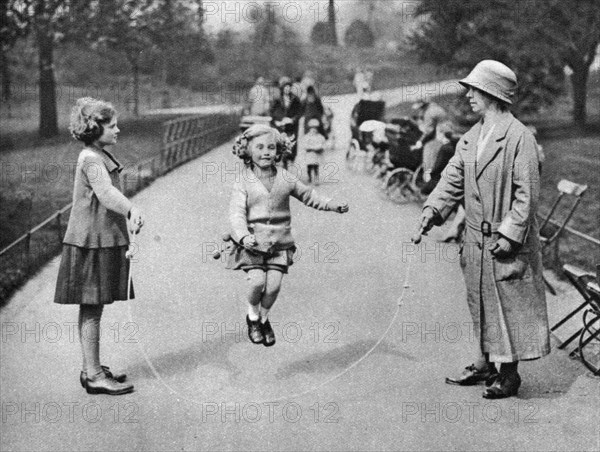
{"x":367,"y":325}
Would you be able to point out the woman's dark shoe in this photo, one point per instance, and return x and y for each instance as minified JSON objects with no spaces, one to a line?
{"x":102,"y":384}
{"x":254,"y":331}
{"x":268,"y":334}
{"x":119,"y":377}
{"x":472,"y":376}
{"x":504,"y":386}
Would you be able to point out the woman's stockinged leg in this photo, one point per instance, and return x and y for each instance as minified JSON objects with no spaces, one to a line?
{"x":257,"y":280}
{"x":509,"y":368}
{"x":482,"y":361}
{"x":89,"y":336}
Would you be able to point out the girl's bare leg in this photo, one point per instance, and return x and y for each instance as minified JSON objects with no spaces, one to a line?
{"x":257,"y":279}
{"x":273,"y":285}
{"x":89,"y":336}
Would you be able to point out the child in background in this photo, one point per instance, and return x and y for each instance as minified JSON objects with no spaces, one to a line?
{"x":261,"y":222}
{"x":431,"y":150}
{"x":94,"y":268}
{"x":314,"y":145}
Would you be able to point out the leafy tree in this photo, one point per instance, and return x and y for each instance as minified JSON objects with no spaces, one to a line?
{"x":358,"y":34}
{"x":325,"y":33}
{"x":45,"y":19}
{"x":276,"y":48}
{"x":320,"y":34}
{"x":536,"y":39}
{"x":225,"y":39}
{"x":572,"y":29}
{"x":13,"y":26}
{"x":136,"y":27}
{"x":177,"y":32}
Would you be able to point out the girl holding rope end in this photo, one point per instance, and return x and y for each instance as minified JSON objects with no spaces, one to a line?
{"x":94,"y":267}
{"x":495,"y":175}
{"x":260,"y":220}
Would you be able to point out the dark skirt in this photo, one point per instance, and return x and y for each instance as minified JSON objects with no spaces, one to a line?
{"x":240,"y":258}
{"x":94,"y":276}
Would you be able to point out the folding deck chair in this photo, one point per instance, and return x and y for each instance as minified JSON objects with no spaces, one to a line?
{"x":566,"y":190}
{"x":587,"y":285}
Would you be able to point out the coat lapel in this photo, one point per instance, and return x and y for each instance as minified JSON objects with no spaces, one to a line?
{"x":470,"y":143}
{"x":111,"y":162}
{"x":494,"y":144}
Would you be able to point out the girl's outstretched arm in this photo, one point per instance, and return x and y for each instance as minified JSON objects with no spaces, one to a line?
{"x":237,"y":212}
{"x":311,"y":198}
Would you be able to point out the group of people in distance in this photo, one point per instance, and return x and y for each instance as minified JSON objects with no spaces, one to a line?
{"x":493,"y":175}
{"x":296,"y":109}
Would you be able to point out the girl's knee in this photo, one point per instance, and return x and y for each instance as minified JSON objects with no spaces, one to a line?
{"x":272,"y":290}
{"x":273,"y":283}
{"x":257,"y":279}
{"x":91,"y":310}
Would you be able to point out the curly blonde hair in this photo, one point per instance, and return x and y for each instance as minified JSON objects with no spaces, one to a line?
{"x":88,"y":117}
{"x":241,"y":145}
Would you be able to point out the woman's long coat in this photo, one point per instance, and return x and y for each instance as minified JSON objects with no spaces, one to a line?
{"x":500,"y":191}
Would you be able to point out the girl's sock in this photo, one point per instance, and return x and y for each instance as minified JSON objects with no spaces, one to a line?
{"x":264,"y":313}
{"x":253,"y":312}
{"x":90,"y":338}
{"x":80,"y":324}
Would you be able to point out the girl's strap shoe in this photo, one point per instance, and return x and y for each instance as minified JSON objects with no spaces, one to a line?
{"x":254,"y":331}
{"x":268,"y":334}
{"x":119,"y":377}
{"x":105,"y":385}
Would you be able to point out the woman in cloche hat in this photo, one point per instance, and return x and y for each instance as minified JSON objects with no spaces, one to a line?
{"x":495,"y":174}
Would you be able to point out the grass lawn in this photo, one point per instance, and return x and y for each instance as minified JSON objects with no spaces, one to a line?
{"x":36,"y":177}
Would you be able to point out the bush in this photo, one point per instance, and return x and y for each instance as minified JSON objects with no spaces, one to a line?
{"x":358,"y":34}
{"x":321,"y":34}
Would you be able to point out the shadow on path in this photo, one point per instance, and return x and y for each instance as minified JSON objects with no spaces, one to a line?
{"x":213,"y":353}
{"x":550,"y":377}
{"x":337,"y":359}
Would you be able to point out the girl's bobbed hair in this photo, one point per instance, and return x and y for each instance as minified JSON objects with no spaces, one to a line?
{"x":241,"y":146}
{"x":88,"y":117}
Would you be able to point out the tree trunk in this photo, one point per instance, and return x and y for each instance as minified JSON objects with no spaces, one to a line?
{"x":579,"y":79}
{"x":136,"y":87}
{"x":48,"y":114}
{"x":201,"y":18}
{"x":333,"y":40}
{"x":6,"y":86}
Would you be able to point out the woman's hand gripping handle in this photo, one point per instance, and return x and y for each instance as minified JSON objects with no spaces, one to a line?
{"x":425,"y":223}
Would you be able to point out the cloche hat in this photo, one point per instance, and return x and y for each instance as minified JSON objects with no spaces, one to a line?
{"x":493,"y":78}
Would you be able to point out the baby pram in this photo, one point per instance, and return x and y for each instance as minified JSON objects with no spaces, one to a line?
{"x":250,"y":120}
{"x":405,"y":173}
{"x":364,"y":110}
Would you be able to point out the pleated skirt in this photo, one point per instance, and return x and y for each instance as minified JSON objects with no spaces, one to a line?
{"x":94,"y":276}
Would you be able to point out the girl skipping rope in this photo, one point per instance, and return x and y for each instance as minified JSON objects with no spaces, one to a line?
{"x":261,"y":221}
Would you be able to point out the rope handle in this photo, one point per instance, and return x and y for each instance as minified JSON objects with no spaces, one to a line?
{"x":129,"y":255}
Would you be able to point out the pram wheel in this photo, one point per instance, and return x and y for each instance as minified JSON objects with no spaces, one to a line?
{"x":398,"y":185}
